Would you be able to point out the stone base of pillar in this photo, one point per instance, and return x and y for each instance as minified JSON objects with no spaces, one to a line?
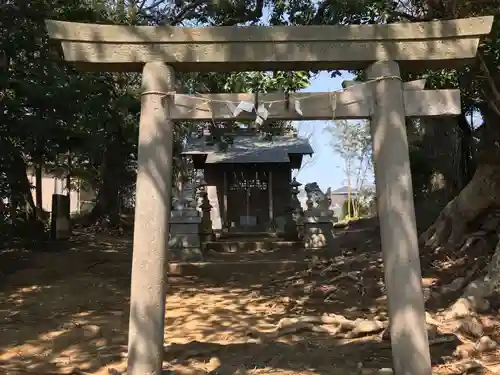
{"x":185,"y":238}
{"x":318,"y":229}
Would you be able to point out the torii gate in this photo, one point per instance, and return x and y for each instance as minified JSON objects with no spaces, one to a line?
{"x":379,"y":49}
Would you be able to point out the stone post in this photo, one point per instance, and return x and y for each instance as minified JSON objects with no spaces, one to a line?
{"x":271,"y":196}
{"x":151,"y":229}
{"x":225,"y":221}
{"x":403,"y":280}
{"x":298,"y":212}
{"x":60,"y":214}
{"x":291,"y":230}
{"x":60,"y":228}
{"x":206,"y":208}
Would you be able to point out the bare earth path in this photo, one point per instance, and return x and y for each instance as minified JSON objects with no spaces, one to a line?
{"x":66,"y":312}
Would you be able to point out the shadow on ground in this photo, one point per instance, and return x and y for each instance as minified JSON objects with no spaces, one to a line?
{"x":69,"y":309}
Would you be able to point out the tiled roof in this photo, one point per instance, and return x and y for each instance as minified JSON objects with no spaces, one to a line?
{"x":251,"y":149}
{"x":344,"y":190}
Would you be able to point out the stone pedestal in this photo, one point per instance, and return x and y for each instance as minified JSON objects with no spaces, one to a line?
{"x":318,"y":229}
{"x":185,"y":236}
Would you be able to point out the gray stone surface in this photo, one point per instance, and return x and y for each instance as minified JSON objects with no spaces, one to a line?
{"x":185,"y":254}
{"x":398,"y":231}
{"x":184,"y":215}
{"x":185,"y":238}
{"x":151,"y":229}
{"x":179,"y":239}
{"x":317,"y":222}
{"x":190,"y":226}
{"x":318,"y":233}
{"x":352,"y":103}
{"x":318,"y":214}
{"x":438,"y":44}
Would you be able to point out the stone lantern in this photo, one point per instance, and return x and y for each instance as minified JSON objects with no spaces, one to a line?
{"x":185,"y":220}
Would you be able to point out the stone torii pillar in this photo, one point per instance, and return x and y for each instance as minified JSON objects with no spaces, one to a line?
{"x":151,"y":225}
{"x":398,"y":230}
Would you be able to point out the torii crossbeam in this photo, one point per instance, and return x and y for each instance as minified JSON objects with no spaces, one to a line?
{"x":354,"y":102}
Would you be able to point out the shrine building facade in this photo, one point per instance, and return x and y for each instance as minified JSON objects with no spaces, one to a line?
{"x":248,"y":183}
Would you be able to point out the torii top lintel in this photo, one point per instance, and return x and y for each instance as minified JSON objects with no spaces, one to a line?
{"x":435,"y":44}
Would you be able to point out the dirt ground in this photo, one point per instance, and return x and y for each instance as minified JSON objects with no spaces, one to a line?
{"x":66,"y":312}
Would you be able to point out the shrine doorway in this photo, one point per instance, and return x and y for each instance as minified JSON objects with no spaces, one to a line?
{"x":248,"y":200}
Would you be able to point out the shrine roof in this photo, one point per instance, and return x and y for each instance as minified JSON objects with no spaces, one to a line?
{"x":251,"y":149}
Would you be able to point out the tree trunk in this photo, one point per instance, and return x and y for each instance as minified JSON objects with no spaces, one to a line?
{"x":466,"y":162}
{"x":39,"y":185}
{"x":107,"y":199}
{"x":68,"y":176}
{"x":33,"y":228}
{"x":112,"y":170}
{"x":479,"y":195}
{"x":482,"y":192}
{"x":18,"y":181}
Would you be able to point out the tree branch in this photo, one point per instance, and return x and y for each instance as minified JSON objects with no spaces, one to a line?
{"x":179,"y":17}
{"x":190,"y":9}
{"x":142,"y":7}
{"x":255,"y":14}
{"x":406,"y":16}
{"x":494,"y":103}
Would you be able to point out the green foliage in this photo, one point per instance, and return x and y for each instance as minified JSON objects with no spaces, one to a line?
{"x":357,"y":207}
{"x":351,"y":140}
{"x":49,"y":109}
{"x":266,"y":82}
{"x":345,"y":208}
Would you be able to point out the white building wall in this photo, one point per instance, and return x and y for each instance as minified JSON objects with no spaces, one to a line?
{"x":49,"y":188}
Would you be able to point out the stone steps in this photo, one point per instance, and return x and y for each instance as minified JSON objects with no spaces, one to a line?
{"x":262,"y":235}
{"x":243,"y":255}
{"x":238,"y":245}
{"x":245,"y":242}
{"x":223,"y":271}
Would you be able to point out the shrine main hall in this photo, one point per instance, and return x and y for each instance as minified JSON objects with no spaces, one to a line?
{"x":248,"y":183}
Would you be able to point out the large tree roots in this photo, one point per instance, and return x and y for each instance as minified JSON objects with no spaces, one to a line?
{"x":475,"y":295}
{"x":480,"y":194}
{"x":476,"y":208}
